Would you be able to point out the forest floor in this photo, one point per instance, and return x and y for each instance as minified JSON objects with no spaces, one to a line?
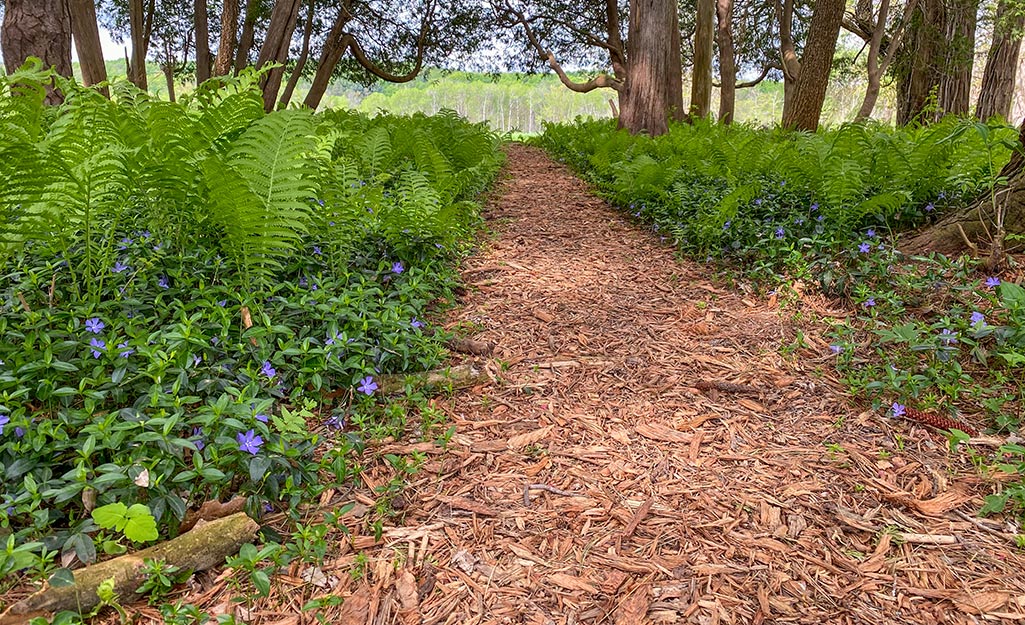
{"x":652,"y":448}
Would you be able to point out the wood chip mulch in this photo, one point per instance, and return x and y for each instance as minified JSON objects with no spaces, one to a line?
{"x":649,"y":452}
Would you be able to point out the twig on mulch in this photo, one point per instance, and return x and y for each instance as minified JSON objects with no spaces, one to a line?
{"x":551,"y":489}
{"x":728,"y":387}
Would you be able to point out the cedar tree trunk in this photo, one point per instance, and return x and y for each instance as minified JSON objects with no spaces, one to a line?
{"x":654,"y":85}
{"x":229,"y":32}
{"x":137,"y":22}
{"x":954,"y":96}
{"x":40,"y":28}
{"x":275,"y":48}
{"x":300,"y":63}
{"x":979,"y":222}
{"x":334,"y":47}
{"x":202,"y":42}
{"x":245,"y":43}
{"x":1002,"y":63}
{"x":816,"y":63}
{"x":86,"y":34}
{"x":918,"y":67}
{"x":727,"y":61}
{"x":701,"y":85}
{"x":168,"y":69}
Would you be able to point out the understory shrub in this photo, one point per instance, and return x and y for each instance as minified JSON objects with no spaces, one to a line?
{"x":188,"y":291}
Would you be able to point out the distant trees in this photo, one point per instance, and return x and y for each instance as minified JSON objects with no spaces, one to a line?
{"x":998,"y":78}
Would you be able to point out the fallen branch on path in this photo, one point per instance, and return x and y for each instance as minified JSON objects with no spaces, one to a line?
{"x":470,"y":346}
{"x":204,"y":547}
{"x":459,"y":376}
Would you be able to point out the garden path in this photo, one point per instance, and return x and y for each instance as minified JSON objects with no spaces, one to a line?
{"x":667,"y":495}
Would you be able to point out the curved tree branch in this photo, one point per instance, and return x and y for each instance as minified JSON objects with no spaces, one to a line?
{"x":754,"y":81}
{"x":600,"y":81}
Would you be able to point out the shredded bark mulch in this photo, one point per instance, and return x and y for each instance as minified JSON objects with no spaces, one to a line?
{"x":652,"y":448}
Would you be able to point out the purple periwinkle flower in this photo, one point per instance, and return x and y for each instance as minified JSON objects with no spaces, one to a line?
{"x":865,"y":248}
{"x":870,"y":302}
{"x":197,"y":438}
{"x":799,"y":221}
{"x":871,"y":233}
{"x":977,"y":318}
{"x":367,"y":386}
{"x":758,"y":202}
{"x":262,"y":418}
{"x":162,"y":282}
{"x":316,"y":250}
{"x":815,"y":206}
{"x":416,"y":323}
{"x":836,"y":349}
{"x":992,"y":282}
{"x":331,"y":223}
{"x":125,"y":350}
{"x":929,"y":207}
{"x":397,"y":267}
{"x":94,"y":325}
{"x":119,"y":267}
{"x":18,"y":431}
{"x":948,"y":337}
{"x":780,"y":232}
{"x":222,"y":303}
{"x":4,"y":420}
{"x":97,"y":345}
{"x":249,"y":442}
{"x":196,"y":359}
{"x":268,"y":370}
{"x":335,"y":421}
{"x":897,"y":410}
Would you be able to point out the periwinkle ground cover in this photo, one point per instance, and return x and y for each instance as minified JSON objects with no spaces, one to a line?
{"x":791,"y":210}
{"x":187,"y":289}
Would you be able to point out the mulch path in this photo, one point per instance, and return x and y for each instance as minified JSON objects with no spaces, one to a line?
{"x":652,"y":448}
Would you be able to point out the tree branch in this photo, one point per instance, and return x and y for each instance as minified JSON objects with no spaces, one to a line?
{"x":754,"y":82}
{"x":349,"y":41}
{"x":602,"y":80}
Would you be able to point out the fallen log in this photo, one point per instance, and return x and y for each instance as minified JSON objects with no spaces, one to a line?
{"x":206,"y":546}
{"x":470,"y":346}
{"x":459,"y":376}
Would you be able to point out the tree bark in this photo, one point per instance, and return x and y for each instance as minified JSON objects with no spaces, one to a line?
{"x":334,"y":48}
{"x":275,"y":48}
{"x":954,"y":95}
{"x":245,"y":43}
{"x":202,"y":42}
{"x":300,"y":63}
{"x":997,"y":92}
{"x":788,"y":54}
{"x":704,"y":37}
{"x":229,"y":32}
{"x":978,"y":228}
{"x":137,"y":22}
{"x":39,"y":28}
{"x":727,"y":61}
{"x":877,"y":66}
{"x":816,"y":63}
{"x":168,"y":69}
{"x":918,"y":71}
{"x":654,"y":85}
{"x":86,"y":34}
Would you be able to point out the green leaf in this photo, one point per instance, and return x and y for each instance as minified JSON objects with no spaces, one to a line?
{"x":110,"y":516}
{"x":140,"y":526}
{"x":262,"y":583}
{"x":61,"y":578}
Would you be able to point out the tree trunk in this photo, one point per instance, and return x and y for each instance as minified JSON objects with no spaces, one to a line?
{"x":137,"y":67}
{"x":816,"y":63}
{"x":275,"y":48}
{"x":954,"y":95}
{"x":300,"y":63}
{"x":334,"y":48}
{"x":704,"y":37}
{"x":245,"y":43}
{"x":868,"y":104}
{"x":654,"y":84}
{"x":229,"y":31}
{"x":202,"y":42}
{"x":917,"y":70}
{"x":788,"y":53}
{"x":998,"y":78}
{"x":86,"y":34}
{"x":727,"y":61}
{"x":168,"y":69}
{"x":979,"y":223}
{"x":40,"y":28}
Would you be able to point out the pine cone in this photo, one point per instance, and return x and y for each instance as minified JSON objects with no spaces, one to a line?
{"x":938,"y":421}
